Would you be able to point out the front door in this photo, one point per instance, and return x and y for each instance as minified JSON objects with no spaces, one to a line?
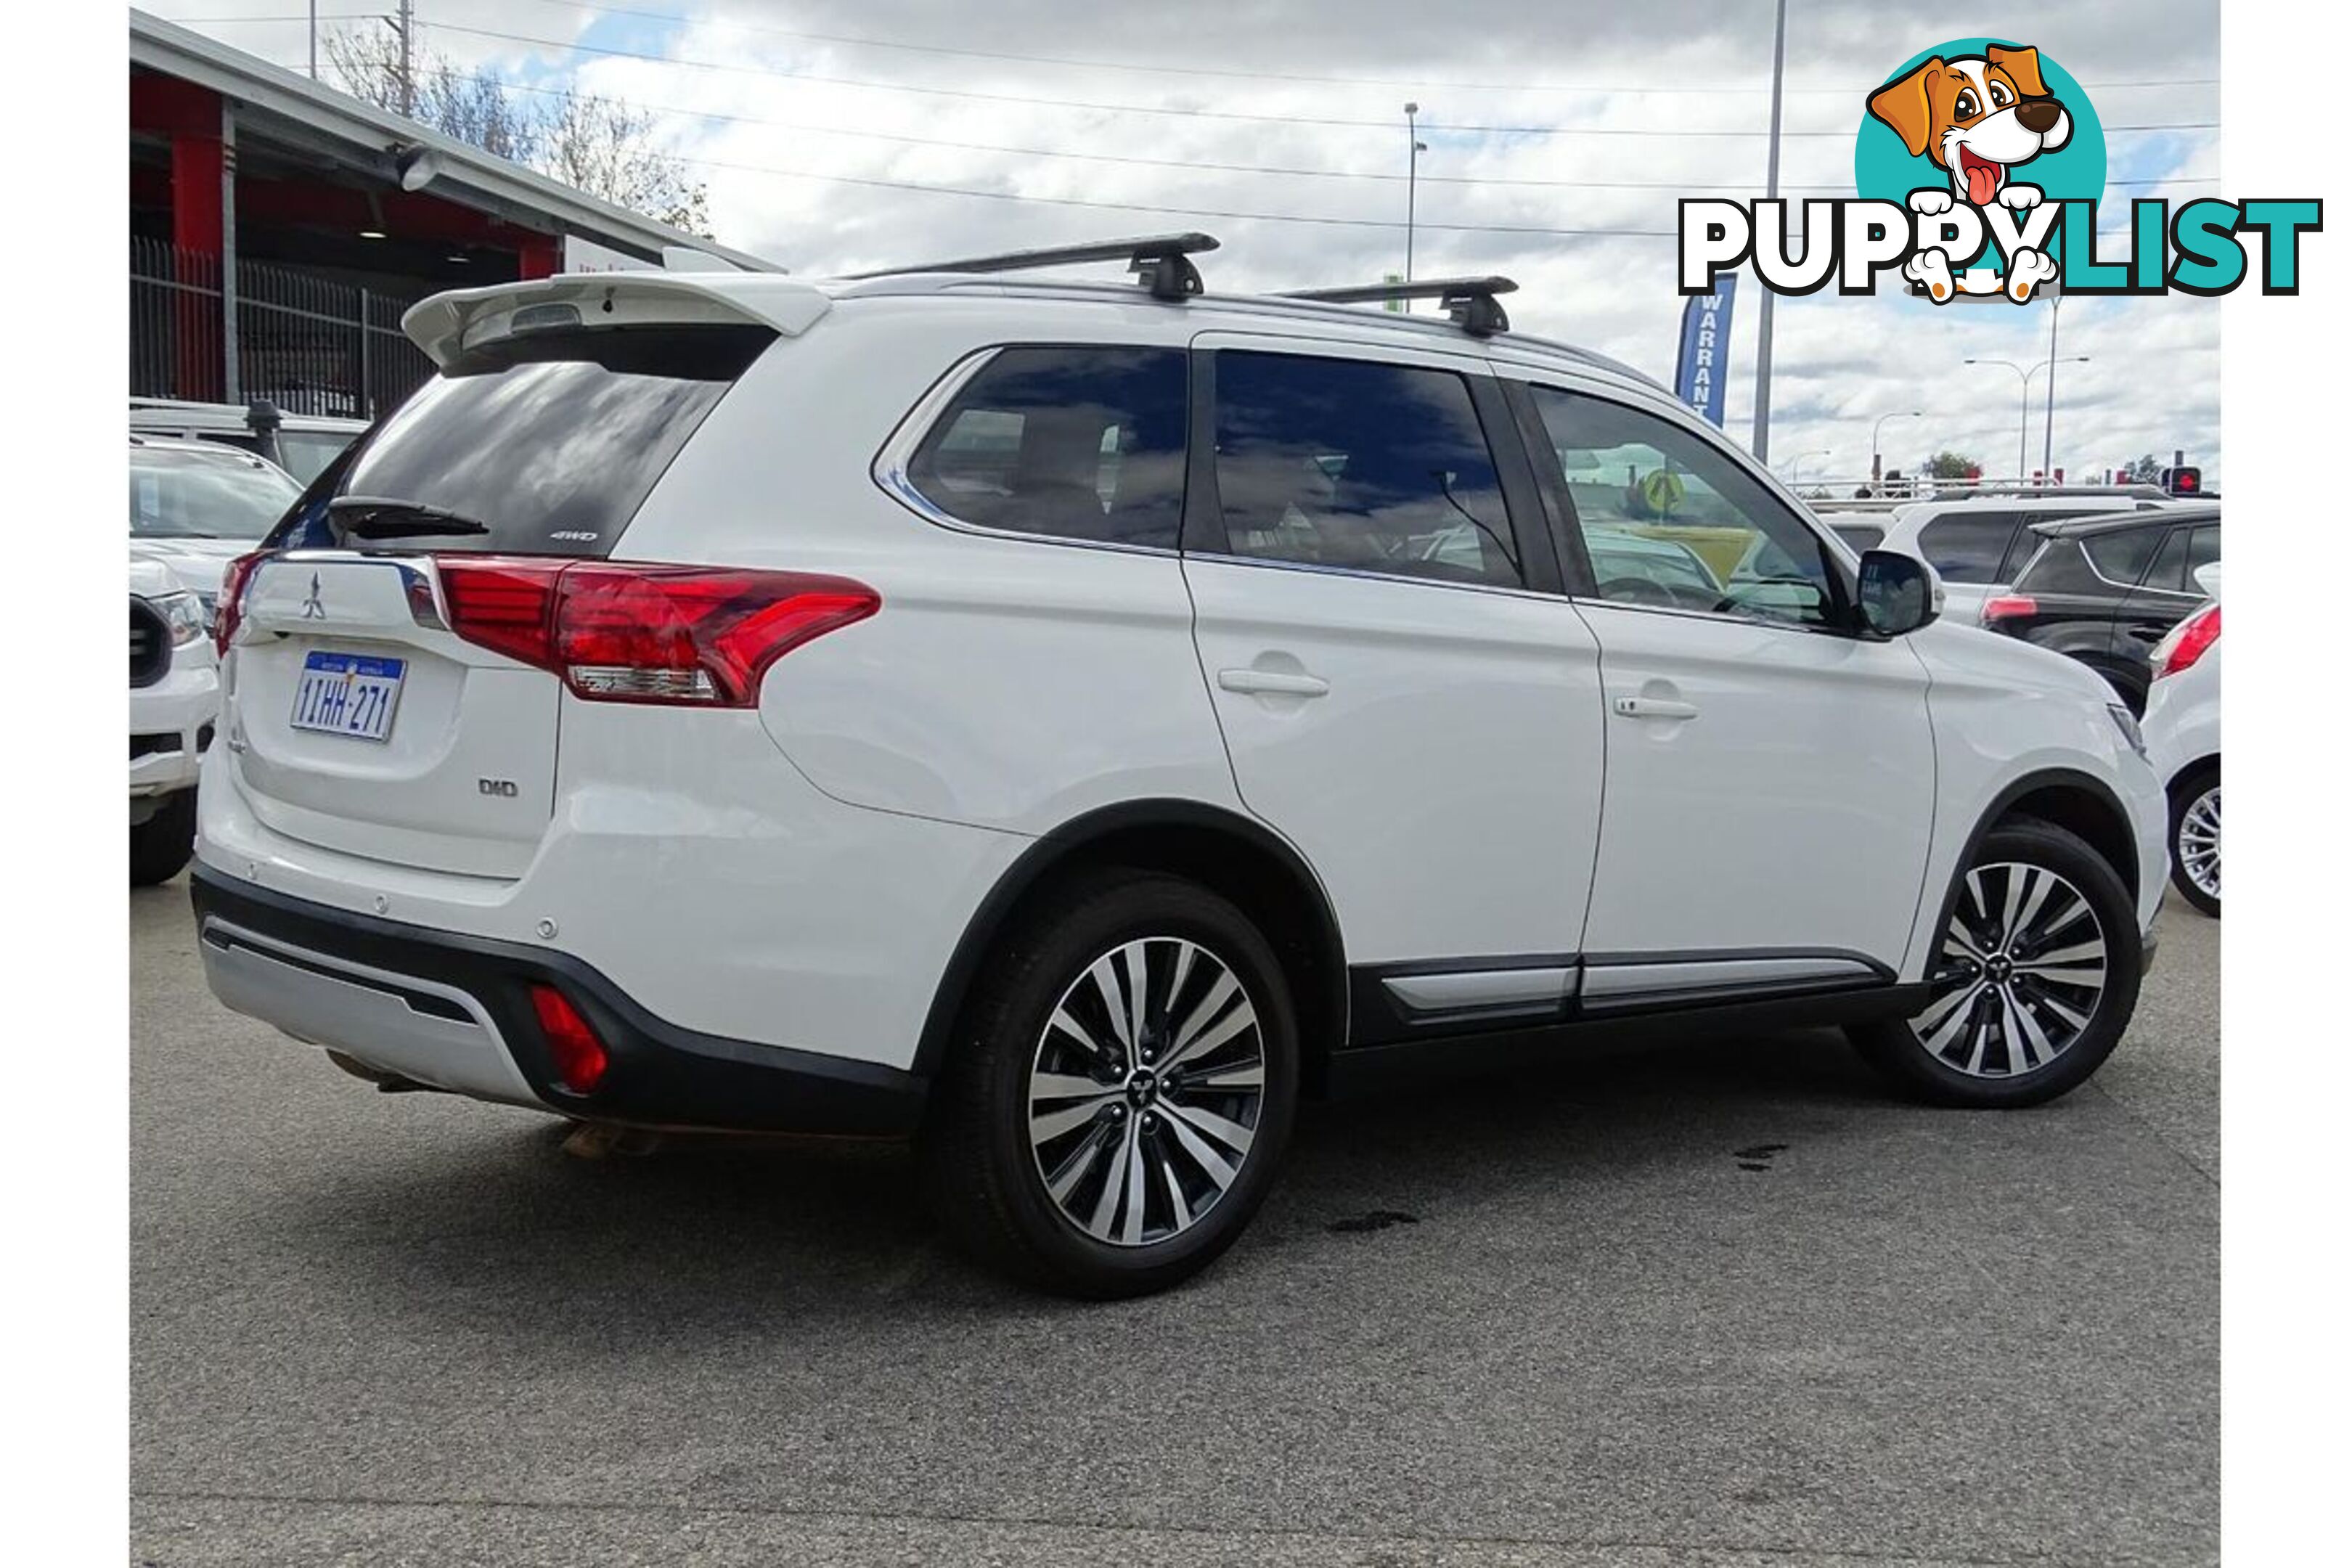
{"x":1772,"y":777}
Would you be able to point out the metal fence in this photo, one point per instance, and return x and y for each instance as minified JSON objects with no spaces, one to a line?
{"x":309,"y":344}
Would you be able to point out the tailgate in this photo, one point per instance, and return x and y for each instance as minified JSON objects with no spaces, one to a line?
{"x":357,"y":721}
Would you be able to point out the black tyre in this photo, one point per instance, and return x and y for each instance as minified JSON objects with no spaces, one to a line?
{"x":2196,"y":838}
{"x":2034,"y":978}
{"x":163,"y":843}
{"x":1119,"y":1090}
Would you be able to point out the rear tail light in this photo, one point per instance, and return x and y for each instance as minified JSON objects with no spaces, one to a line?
{"x":617,"y":632}
{"x":2185,"y":644}
{"x":230,"y":607}
{"x":2008,"y":608}
{"x":579,"y":1056}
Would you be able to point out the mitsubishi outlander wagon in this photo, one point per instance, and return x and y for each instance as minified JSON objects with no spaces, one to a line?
{"x":1064,"y":723}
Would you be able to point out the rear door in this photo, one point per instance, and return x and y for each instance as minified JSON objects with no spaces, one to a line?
{"x":1402,"y":694}
{"x":2168,"y":590}
{"x":355,"y":720}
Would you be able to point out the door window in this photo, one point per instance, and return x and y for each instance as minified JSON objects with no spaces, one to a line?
{"x":1669,"y":519}
{"x":1076,"y":443}
{"x":2121,"y":556}
{"x":1377,"y":467}
{"x":1969,"y":546}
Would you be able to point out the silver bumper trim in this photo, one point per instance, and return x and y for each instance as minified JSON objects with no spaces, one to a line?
{"x":363,"y":1012}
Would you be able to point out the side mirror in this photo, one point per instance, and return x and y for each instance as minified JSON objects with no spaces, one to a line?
{"x":1899,"y":593}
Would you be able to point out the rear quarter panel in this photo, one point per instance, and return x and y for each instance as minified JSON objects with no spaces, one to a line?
{"x":1006,"y":682}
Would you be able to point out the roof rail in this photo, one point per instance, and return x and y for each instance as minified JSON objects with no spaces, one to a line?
{"x":1469,"y":300}
{"x":1162,"y":261}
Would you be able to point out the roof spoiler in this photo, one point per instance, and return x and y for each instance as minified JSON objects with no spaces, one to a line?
{"x":447,"y":325}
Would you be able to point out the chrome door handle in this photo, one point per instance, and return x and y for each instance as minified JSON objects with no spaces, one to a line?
{"x":1272,"y":683}
{"x":1652,"y":708}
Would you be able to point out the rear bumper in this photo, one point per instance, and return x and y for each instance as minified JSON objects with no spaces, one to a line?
{"x":455,"y":1013}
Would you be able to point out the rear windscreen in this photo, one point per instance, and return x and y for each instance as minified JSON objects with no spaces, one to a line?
{"x":551,"y":439}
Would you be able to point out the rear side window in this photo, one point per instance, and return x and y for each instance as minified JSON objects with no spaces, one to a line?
{"x":1083,"y":443}
{"x":2123,"y":556}
{"x":1969,"y":547}
{"x":1379,"y":467}
{"x":1860,"y":535}
{"x":552,"y":439}
{"x":2061,"y":567}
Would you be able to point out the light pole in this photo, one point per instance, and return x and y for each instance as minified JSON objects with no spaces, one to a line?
{"x":1799,"y":462}
{"x":2050,"y":387}
{"x":1415,"y":148}
{"x":2025,"y":394}
{"x":1761,"y":440}
{"x":1874,"y":429}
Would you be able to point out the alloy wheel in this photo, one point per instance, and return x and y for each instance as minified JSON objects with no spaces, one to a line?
{"x":1145,"y":1090}
{"x":2197,"y":844}
{"x":2019,"y":976}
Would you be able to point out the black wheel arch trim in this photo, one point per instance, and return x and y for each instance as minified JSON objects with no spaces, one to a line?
{"x":1056,"y":848}
{"x":2003,"y":809}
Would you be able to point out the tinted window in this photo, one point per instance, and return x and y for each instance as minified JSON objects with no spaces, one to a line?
{"x":1860,"y":535}
{"x":1669,"y":519}
{"x":2060,"y":567}
{"x":195,"y":495}
{"x":553,"y":438}
{"x":2204,"y":548}
{"x":1079,"y":443}
{"x":1347,"y":463}
{"x":2123,"y":556}
{"x":1969,"y":547}
{"x":2177,"y":556}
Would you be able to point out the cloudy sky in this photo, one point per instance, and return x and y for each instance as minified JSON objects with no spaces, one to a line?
{"x":839,"y":135}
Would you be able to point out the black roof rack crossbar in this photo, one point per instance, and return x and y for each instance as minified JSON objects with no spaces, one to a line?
{"x":1162,"y":261}
{"x":1469,"y":300}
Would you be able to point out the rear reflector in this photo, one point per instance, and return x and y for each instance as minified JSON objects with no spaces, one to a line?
{"x":2185,"y":644}
{"x":579,"y":1056}
{"x":2008,"y":608}
{"x":618,"y":632}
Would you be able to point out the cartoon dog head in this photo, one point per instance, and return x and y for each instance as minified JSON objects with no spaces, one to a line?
{"x":1977,"y":117}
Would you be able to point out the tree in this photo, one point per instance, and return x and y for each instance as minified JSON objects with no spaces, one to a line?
{"x":2144,"y":469}
{"x":1952,"y":465}
{"x":600,"y":146}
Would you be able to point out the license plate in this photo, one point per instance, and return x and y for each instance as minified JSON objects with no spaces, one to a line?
{"x":348,"y":694}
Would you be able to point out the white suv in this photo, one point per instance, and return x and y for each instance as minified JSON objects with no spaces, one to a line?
{"x":1067,"y":723}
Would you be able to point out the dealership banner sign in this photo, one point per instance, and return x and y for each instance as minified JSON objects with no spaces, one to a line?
{"x":1979,"y":169}
{"x":1706,"y":337}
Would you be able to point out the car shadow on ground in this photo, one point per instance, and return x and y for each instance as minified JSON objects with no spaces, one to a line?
{"x":691,"y":1237}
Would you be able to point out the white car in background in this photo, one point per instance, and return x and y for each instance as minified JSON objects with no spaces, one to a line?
{"x":195,"y":505}
{"x":1978,"y":544}
{"x":175,"y":700}
{"x":2183,"y":728}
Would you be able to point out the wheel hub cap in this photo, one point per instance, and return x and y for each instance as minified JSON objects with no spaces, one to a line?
{"x":2019,"y":976}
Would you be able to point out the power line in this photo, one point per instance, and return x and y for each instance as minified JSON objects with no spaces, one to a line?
{"x":1209,"y":167}
{"x":771,"y":72}
{"x":1184,"y":212}
{"x":1415,"y":83}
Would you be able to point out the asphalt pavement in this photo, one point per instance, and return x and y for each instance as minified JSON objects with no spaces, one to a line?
{"x":1723,"y":1302}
